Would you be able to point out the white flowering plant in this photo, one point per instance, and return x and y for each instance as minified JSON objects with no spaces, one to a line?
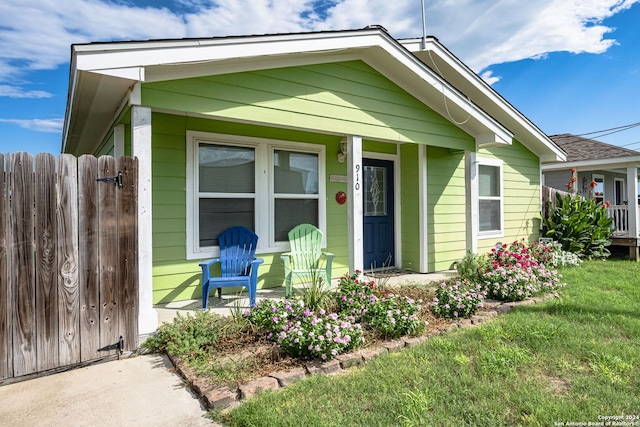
{"x":394,"y":316}
{"x":456,"y":298}
{"x":301,"y":332}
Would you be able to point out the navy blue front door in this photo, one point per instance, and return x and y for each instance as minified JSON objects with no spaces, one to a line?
{"x":377,"y":199}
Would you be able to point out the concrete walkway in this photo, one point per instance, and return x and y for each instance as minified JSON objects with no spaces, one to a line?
{"x":136,"y":391}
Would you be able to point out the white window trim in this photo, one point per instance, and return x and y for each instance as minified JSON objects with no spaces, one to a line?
{"x":264,"y":189}
{"x":491,"y":234}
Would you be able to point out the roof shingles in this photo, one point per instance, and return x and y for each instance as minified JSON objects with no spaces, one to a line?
{"x":578,"y":148}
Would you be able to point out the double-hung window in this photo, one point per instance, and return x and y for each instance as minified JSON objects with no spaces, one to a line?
{"x":490,"y":198}
{"x":266,"y":185}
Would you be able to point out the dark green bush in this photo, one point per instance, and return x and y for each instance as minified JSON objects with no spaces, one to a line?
{"x":580,"y":225}
{"x":189,"y":336}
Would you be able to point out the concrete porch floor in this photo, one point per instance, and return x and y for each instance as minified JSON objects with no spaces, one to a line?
{"x":168,"y":311}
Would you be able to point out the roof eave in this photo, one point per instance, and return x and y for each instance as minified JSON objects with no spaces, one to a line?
{"x":122,"y":64}
{"x":485,"y":96}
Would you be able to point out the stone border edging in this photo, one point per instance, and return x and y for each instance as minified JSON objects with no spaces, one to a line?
{"x":217,"y":397}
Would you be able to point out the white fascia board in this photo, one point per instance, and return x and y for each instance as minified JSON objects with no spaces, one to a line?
{"x":617,"y":162}
{"x":131,"y":73}
{"x":142,"y":54}
{"x":415,"y":45}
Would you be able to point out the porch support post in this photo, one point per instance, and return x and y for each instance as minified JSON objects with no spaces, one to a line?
{"x":354,"y":202}
{"x":141,"y":148}
{"x":424,"y":217}
{"x":632,"y":210}
{"x":471,"y":186}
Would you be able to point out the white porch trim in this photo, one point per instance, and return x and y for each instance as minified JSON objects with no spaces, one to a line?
{"x":141,"y":148}
{"x":355,"y":184}
{"x":397,"y":201}
{"x":471,"y":184}
{"x":423,"y":203}
{"x":632,"y":201}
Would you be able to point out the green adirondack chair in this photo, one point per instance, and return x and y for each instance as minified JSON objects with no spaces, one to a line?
{"x":305,"y":258}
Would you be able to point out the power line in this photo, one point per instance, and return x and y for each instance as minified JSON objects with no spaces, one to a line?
{"x":633,"y":143}
{"x":604,"y":132}
{"x":614,"y":130}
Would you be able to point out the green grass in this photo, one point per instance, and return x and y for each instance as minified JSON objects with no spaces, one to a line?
{"x":566,"y":360}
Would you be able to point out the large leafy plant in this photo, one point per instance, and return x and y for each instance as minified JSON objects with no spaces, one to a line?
{"x":580,"y":225}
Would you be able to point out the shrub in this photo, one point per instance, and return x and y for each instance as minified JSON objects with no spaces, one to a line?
{"x":519,"y":282}
{"x":188,"y":336}
{"x":321,"y":336}
{"x":580,"y":226}
{"x":515,"y":272}
{"x":355,"y":297}
{"x":302,"y":333}
{"x":552,"y":255}
{"x":395,"y":316}
{"x":457,"y":298}
{"x":471,"y":265}
{"x":377,"y":309}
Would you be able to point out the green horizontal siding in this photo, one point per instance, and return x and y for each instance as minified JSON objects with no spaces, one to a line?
{"x":410,"y":210}
{"x":521,"y":183}
{"x":446,"y":207}
{"x":176,"y":278}
{"x":343,"y":98}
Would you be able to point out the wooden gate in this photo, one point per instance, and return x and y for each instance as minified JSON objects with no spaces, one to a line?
{"x":68,"y":261}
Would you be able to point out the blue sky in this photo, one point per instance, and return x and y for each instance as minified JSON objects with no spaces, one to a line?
{"x":568,"y":65}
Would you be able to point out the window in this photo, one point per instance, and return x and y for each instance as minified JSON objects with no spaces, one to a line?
{"x":620,"y":193}
{"x":268,"y":186}
{"x":375,"y":200}
{"x":295,"y":191}
{"x":598,"y":190}
{"x":490,"y":212}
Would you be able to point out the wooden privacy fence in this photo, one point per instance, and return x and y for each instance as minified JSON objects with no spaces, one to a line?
{"x":68,"y":260}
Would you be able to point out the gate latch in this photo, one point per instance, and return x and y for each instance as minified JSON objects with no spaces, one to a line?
{"x":117,"y":346}
{"x":117,"y":180}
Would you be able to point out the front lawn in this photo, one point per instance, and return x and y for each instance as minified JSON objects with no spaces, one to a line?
{"x":572,"y":360}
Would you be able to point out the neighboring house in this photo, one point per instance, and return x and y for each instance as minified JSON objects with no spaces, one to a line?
{"x":266,"y":131}
{"x":613,"y":169}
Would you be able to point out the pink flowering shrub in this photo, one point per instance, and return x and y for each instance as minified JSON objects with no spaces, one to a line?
{"x":517,"y":272}
{"x":457,"y":298}
{"x":303,"y":333}
{"x":394,"y":316}
{"x":377,"y":309}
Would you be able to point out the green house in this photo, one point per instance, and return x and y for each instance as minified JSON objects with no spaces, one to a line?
{"x":395,"y":149}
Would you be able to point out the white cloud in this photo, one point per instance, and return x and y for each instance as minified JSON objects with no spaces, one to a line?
{"x":37,"y":34}
{"x":17,"y":92}
{"x":488,"y":32}
{"x":489,"y":78}
{"x":38,"y":125}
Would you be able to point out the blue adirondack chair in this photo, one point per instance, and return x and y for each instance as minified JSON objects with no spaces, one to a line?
{"x":238,"y":264}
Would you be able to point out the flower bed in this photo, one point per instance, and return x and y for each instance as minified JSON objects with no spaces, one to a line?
{"x":313,"y":332}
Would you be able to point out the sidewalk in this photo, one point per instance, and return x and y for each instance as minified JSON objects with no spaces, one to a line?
{"x":136,"y":391}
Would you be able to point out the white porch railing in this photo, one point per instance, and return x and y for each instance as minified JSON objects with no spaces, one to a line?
{"x":620,"y":219}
